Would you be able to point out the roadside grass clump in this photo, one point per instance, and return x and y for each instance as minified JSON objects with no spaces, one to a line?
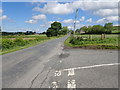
{"x":41,"y":38}
{"x":110,"y":42}
{"x":7,"y":44}
{"x":20,"y":42}
{"x":11,"y":43}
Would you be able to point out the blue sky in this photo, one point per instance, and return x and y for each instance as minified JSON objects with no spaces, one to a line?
{"x":37,"y":16}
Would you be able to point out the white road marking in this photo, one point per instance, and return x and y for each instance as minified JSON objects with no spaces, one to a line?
{"x":71,"y":72}
{"x":71,"y":84}
{"x":57,"y":73}
{"x":60,"y":61}
{"x":93,"y":66}
{"x":54,"y":85}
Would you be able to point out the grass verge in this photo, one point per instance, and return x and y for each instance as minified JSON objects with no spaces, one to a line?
{"x":33,"y":43}
{"x":110,"y":42}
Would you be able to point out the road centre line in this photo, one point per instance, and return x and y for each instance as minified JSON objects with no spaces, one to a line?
{"x":93,"y":66}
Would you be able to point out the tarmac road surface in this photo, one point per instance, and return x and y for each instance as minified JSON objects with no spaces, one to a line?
{"x":50,"y":65}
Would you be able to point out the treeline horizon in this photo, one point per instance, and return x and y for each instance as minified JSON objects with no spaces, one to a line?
{"x":84,"y":28}
{"x":20,"y":33}
{"x":108,"y":28}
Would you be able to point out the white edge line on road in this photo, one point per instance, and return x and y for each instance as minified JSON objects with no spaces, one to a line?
{"x":93,"y":66}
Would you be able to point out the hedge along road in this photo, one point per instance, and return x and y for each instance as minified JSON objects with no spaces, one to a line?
{"x":49,"y":65}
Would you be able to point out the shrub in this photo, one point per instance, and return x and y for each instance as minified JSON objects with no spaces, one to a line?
{"x":20,"y":42}
{"x":7,"y":43}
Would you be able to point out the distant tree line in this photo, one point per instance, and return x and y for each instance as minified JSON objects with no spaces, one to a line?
{"x":18,"y":33}
{"x":56,"y":29}
{"x":97,"y":29}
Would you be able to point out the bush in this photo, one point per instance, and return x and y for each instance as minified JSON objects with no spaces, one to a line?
{"x":7,"y":43}
{"x":20,"y":42}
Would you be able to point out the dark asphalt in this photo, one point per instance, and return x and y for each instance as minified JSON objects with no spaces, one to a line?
{"x":49,"y":65}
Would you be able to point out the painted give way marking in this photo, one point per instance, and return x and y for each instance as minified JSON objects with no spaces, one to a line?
{"x":93,"y":66}
{"x":72,"y":83}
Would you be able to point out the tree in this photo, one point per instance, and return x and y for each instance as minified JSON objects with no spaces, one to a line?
{"x":84,"y":28}
{"x":50,"y":32}
{"x":89,"y":30}
{"x":77,"y":31}
{"x":97,"y":29}
{"x":56,"y":26}
{"x":64,"y":30}
{"x":72,"y":32}
{"x":54,"y":30}
{"x":108,"y":27}
{"x":28,"y":33}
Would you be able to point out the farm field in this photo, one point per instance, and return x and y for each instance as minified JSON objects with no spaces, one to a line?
{"x":12,"y":43}
{"x":93,"y":41}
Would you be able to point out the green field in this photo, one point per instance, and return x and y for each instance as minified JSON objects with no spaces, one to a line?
{"x":12,"y":43}
{"x":84,"y":41}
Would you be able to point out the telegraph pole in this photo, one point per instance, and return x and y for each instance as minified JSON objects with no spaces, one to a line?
{"x":76,"y":14}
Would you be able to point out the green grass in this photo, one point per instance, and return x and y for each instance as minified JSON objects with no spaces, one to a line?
{"x":37,"y":40}
{"x":116,"y":31}
{"x":110,"y":42}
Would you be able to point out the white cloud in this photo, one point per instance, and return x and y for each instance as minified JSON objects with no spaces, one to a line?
{"x":50,"y":22}
{"x":108,"y":19}
{"x":112,"y":18}
{"x":106,"y":12}
{"x":31,"y":21}
{"x":103,"y":20}
{"x":3,"y":17}
{"x":89,"y":20}
{"x":116,"y":24}
{"x":70,"y":27}
{"x":97,"y":7}
{"x":40,"y":16}
{"x":36,"y":18}
{"x":82,"y":19}
{"x":1,"y":11}
{"x":69,"y":21}
{"x":55,"y":8}
{"x":66,"y":8}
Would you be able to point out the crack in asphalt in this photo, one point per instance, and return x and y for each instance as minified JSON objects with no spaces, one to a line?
{"x":35,"y":78}
{"x":45,"y":77}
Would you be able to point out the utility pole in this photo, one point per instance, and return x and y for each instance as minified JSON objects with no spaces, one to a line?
{"x":76,"y":14}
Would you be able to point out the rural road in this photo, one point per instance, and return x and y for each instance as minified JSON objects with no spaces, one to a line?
{"x":50,"y":65}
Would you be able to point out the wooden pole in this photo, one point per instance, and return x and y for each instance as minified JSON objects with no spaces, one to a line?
{"x":101,"y":36}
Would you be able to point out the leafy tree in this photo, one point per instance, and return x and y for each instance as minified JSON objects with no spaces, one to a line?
{"x":84,"y":28}
{"x":28,"y":32}
{"x":72,"y":32}
{"x":108,"y":27}
{"x":89,"y":29}
{"x":77,"y":31}
{"x":50,"y":32}
{"x":97,"y":29}
{"x":56,"y":26}
{"x":64,"y":30}
{"x":54,"y":30}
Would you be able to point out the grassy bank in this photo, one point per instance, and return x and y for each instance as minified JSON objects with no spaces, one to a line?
{"x":14,"y":43}
{"x":93,"y":41}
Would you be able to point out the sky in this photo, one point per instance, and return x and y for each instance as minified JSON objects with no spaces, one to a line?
{"x":37,"y":16}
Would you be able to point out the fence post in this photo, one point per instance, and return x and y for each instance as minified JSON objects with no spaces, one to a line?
{"x":89,"y":36}
{"x":101,"y":36}
{"x":104,"y":35}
